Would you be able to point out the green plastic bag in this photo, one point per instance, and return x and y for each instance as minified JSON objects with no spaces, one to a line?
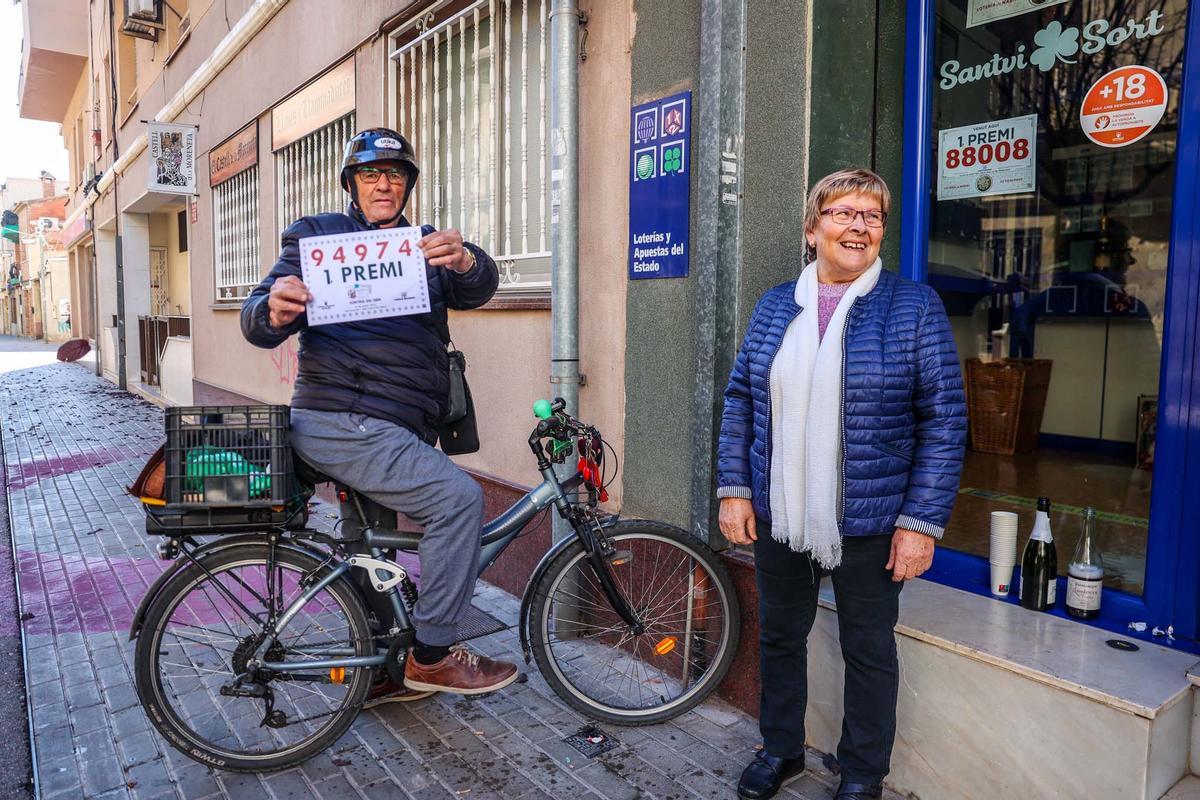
{"x":204,"y":461}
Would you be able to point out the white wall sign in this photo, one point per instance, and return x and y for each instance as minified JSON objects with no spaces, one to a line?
{"x":172,"y":150}
{"x":981,"y":12}
{"x":1122,"y":106}
{"x":988,"y":158}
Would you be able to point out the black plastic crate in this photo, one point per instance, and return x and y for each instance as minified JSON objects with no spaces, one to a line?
{"x":229,"y":457}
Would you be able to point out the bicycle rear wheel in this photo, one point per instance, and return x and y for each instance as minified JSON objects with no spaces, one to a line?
{"x":591,"y":659}
{"x":205,"y":625}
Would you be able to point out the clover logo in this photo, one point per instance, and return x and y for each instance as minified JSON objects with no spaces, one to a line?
{"x":1054,"y":43}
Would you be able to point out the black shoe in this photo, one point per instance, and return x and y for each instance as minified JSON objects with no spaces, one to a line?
{"x":858,"y":791}
{"x":766,"y":774}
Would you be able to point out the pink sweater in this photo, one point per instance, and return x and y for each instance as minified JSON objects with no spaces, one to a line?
{"x":829,"y":295}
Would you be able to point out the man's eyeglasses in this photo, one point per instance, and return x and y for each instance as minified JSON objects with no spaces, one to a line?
{"x":844,"y":215}
{"x":395,"y":175}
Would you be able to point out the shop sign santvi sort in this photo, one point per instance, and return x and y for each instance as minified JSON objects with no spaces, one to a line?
{"x":1054,"y":43}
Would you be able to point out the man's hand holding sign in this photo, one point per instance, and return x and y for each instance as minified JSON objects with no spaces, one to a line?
{"x":365,"y":275}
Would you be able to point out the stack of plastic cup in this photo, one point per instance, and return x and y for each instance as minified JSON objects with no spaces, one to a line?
{"x":1003,"y":552}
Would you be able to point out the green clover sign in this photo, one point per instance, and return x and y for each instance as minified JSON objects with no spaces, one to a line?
{"x":672,"y":159}
{"x":1054,"y":43}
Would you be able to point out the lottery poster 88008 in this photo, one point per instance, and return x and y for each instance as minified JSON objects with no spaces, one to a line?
{"x":364,"y":275}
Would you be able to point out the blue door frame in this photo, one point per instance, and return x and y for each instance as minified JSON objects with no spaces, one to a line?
{"x":1172,"y":588}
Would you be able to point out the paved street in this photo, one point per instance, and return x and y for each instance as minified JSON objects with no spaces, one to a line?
{"x":71,"y":443}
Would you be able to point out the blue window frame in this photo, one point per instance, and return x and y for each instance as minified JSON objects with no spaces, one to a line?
{"x":1172,"y":582}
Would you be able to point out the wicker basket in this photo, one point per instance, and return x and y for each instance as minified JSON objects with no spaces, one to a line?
{"x":1005,"y":402}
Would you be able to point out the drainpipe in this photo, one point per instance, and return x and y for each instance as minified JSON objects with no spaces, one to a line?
{"x":565,"y":20}
{"x":717,"y":251}
{"x":122,"y":383}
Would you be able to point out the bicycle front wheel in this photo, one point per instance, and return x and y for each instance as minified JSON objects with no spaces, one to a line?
{"x":205,"y":626}
{"x":597,"y":665}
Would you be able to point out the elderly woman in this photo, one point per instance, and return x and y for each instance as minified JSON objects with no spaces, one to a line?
{"x":843,"y":429}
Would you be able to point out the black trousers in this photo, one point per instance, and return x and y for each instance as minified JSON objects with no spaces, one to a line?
{"x":868,"y":603}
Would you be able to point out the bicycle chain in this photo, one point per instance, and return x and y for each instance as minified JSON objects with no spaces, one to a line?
{"x":354,"y":706}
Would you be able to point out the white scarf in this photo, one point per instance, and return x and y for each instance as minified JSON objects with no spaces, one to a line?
{"x":806,"y":423}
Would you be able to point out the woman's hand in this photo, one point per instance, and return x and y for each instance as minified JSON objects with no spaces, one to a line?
{"x":912,"y":554}
{"x":736,"y":520}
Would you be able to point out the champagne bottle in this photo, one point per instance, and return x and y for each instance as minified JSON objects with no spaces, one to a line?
{"x":1085,"y":572}
{"x":1039,"y":563}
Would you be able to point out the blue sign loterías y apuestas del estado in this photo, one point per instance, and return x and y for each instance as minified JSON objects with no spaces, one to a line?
{"x":659,"y":155}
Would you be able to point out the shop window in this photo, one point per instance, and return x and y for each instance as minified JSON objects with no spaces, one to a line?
{"x":1054,"y":140}
{"x":471,"y":94}
{"x":178,"y":21}
{"x":307,"y":173}
{"x":79,"y":155}
{"x":127,"y":75}
{"x":181,"y":227}
{"x":235,"y":235}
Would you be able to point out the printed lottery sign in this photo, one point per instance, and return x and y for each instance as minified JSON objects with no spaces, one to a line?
{"x":980,"y":12}
{"x":1123,"y":106}
{"x":364,"y":275}
{"x":988,"y":158}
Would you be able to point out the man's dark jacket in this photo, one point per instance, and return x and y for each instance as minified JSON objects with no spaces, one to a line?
{"x":394,"y":368}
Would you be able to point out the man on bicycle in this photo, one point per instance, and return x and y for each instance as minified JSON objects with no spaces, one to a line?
{"x":369,"y":395}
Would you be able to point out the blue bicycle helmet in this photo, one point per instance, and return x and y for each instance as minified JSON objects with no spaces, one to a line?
{"x":379,"y":144}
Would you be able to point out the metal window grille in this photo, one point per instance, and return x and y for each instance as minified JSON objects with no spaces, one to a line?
{"x":472,"y":96}
{"x":158,"y":282}
{"x":308,"y":172}
{"x":235,"y":231}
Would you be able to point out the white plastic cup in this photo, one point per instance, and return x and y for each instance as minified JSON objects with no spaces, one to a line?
{"x":1003,"y":550}
{"x":1001,"y":579}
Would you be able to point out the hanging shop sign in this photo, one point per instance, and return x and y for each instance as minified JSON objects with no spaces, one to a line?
{"x":981,"y":12}
{"x":1123,"y":106}
{"x":988,"y":158}
{"x":172,"y":149}
{"x":233,"y":156}
{"x":329,"y":97}
{"x":660,"y":138}
{"x":75,"y":231}
{"x":1053,"y":44}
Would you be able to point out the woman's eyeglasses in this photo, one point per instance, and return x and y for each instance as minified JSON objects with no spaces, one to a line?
{"x":395,"y":175}
{"x":844,"y":215}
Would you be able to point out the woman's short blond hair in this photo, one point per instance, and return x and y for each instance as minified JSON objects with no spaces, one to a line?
{"x":839,"y":184}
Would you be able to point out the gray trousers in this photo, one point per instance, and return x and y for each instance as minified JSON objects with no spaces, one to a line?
{"x":393,"y":467}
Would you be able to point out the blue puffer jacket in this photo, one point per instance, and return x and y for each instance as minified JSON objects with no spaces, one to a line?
{"x":393,"y":368}
{"x":904,"y":421}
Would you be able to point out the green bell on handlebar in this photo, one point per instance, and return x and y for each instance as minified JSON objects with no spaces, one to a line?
{"x":542,"y":410}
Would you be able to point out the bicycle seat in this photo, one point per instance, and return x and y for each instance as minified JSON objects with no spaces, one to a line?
{"x":308,"y":474}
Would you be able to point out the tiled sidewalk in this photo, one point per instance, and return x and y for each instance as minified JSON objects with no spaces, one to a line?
{"x":71,"y":443}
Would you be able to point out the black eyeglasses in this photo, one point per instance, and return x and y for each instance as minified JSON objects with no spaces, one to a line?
{"x":844,"y":215}
{"x":395,"y":175}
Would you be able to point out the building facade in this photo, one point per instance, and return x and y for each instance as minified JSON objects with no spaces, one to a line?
{"x":1042,"y":158}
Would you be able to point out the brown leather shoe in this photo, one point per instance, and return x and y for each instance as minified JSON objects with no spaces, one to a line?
{"x":461,"y":672}
{"x":387,"y":691}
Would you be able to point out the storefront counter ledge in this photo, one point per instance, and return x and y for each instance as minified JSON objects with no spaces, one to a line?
{"x":998,"y":701}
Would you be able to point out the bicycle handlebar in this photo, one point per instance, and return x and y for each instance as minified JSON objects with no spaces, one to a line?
{"x":553,"y":421}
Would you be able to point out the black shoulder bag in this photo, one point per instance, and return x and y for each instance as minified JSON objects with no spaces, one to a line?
{"x":457,"y":431}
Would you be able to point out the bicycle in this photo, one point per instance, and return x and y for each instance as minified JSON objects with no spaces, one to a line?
{"x":256,"y":651}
